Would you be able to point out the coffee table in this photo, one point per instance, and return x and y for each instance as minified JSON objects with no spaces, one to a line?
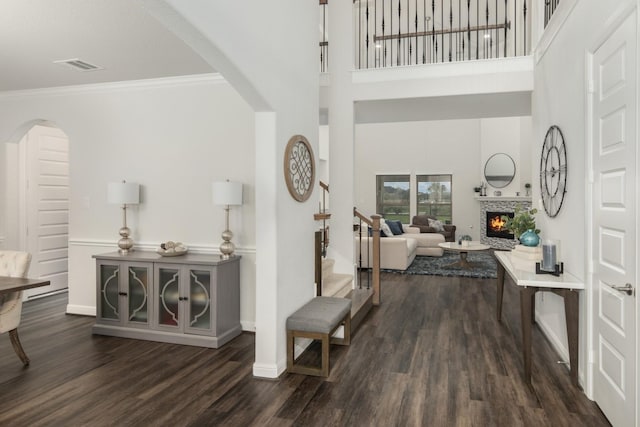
{"x":463,"y":250}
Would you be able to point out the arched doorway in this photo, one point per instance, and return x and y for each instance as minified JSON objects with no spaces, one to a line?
{"x":38,"y":203}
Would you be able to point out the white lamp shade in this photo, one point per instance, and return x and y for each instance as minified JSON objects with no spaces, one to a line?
{"x":123,"y":193}
{"x":227,"y":193}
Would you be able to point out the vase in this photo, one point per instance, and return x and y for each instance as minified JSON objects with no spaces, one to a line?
{"x":529,"y":238}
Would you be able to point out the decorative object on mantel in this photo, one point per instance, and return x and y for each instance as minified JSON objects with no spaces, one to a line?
{"x":553,"y":171}
{"x":527,"y":189}
{"x":551,"y":263}
{"x":497,"y":193}
{"x":299,"y":168}
{"x":124,"y":193}
{"x":227,"y":193}
{"x":523,"y":224}
{"x":170,"y":248}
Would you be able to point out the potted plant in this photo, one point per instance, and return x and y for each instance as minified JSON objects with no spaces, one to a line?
{"x":523,"y":226}
{"x":464,"y":240}
{"x":527,"y":188}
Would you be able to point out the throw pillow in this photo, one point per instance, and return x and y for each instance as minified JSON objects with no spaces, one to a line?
{"x":384,"y":228}
{"x":396,"y":227}
{"x":436,"y":225}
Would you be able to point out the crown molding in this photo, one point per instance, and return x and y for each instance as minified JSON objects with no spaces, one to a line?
{"x":164,"y":82}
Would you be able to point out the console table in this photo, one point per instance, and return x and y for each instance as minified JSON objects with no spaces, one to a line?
{"x":188,"y":299}
{"x":566,"y":285}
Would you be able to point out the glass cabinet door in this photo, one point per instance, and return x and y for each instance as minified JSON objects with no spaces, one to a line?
{"x":199,"y":302}
{"x":168,"y":297}
{"x":109,"y":291}
{"x":138,"y":293}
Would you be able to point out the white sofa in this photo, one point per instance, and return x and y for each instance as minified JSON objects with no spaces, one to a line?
{"x":398,"y":252}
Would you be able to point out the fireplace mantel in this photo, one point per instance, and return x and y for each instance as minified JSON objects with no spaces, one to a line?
{"x":503,"y":198}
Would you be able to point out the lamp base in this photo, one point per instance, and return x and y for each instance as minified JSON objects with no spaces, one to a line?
{"x":227,"y":247}
{"x":125,"y":244}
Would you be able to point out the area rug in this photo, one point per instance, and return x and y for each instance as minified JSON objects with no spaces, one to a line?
{"x":484,"y":266}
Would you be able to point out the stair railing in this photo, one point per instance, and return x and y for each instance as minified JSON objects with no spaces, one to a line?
{"x":321,"y":237}
{"x":373,"y":265}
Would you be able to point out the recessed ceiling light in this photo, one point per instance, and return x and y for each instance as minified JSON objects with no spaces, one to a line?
{"x":78,"y":64}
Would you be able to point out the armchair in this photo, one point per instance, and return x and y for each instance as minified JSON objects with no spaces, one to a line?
{"x":13,"y":264}
{"x":422,"y":222}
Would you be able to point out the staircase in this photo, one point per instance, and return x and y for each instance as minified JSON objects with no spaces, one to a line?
{"x":332,"y":284}
{"x":341,"y":286}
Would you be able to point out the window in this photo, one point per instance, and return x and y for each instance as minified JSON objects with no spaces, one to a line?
{"x":392,"y":197}
{"x":434,"y":196}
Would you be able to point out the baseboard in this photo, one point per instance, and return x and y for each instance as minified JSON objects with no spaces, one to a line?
{"x":82,"y":310}
{"x":263,"y":370}
{"x":248,"y":326}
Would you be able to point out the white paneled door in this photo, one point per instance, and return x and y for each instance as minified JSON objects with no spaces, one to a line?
{"x":47,"y":206}
{"x":613,"y":121}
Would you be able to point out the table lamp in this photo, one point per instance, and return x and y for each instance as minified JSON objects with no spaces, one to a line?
{"x":227,"y":193}
{"x":124,"y":193}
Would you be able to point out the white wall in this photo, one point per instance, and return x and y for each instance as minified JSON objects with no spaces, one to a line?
{"x":174,"y":137}
{"x":456,"y":147}
{"x":277,"y":74}
{"x":560,"y":99}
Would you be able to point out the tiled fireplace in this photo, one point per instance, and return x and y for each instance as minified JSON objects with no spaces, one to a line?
{"x":491,"y":211}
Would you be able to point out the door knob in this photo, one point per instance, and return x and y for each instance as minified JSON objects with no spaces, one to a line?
{"x":626,"y":289}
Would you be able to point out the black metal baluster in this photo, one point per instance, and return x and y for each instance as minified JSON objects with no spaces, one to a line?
{"x":524,"y":34}
{"x":487,"y":42}
{"x":459,"y":35}
{"x":469,"y":28}
{"x":450,"y":29}
{"x":497,"y":33}
{"x":416,"y":4}
{"x":408,"y":42}
{"x":359,"y":33}
{"x":505,"y":28}
{"x":477,"y":29}
{"x":324,"y":26}
{"x":442,"y":27}
{"x":424,"y":33}
{"x":376,"y":43}
{"x":434,"y":41}
{"x":366,"y":40}
{"x":515,"y":28}
{"x":391,"y":31}
{"x":399,"y":25}
{"x":384,"y":41}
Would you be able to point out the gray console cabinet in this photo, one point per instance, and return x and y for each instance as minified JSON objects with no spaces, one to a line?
{"x":188,"y":299}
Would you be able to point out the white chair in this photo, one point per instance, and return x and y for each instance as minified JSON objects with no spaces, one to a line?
{"x":13,"y":264}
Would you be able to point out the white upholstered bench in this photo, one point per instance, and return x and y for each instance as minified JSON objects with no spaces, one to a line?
{"x":318,"y":319}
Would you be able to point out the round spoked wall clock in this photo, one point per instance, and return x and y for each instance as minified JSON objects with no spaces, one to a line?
{"x":553,"y":171}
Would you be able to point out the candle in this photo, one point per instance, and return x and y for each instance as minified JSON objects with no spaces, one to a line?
{"x":548,"y":256}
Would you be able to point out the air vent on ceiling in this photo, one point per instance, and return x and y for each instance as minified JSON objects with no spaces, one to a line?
{"x":78,"y":64}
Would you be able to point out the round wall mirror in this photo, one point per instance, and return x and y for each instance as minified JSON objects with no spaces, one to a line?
{"x":499,"y":170}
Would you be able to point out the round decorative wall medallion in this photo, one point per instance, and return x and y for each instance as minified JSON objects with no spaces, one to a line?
{"x":553,"y":171}
{"x":299,"y":168}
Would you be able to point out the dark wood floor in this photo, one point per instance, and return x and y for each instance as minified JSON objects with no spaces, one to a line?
{"x":431,"y":355}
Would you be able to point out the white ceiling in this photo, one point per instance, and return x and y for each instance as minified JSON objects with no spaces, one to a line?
{"x":117,"y":35}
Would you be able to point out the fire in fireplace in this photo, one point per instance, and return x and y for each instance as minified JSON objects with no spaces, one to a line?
{"x":495,"y":225}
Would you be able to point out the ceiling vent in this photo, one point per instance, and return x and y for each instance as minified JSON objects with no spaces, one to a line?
{"x":78,"y":64}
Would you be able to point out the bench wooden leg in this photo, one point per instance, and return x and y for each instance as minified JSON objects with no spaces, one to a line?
{"x":325,"y":340}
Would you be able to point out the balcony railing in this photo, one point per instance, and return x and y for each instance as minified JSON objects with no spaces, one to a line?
{"x":393,"y":33}
{"x":549,"y":8}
